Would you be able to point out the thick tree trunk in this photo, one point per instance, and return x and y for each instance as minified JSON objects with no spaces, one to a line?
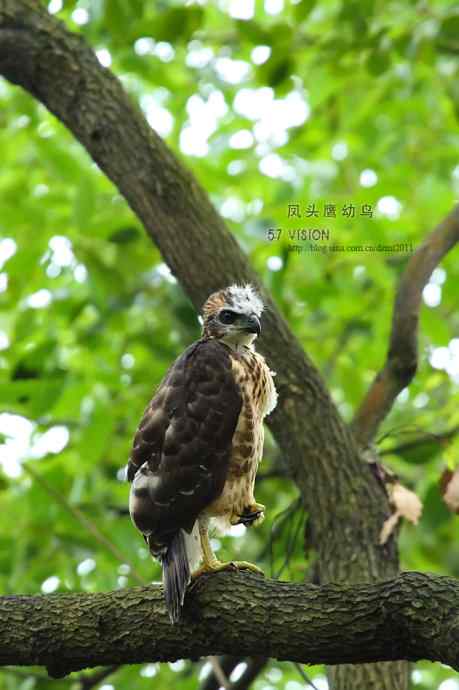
{"x":412,"y":616}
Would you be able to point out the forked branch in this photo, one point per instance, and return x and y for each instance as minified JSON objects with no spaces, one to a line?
{"x":402,"y":357}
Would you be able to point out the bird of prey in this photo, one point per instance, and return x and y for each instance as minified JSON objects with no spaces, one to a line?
{"x":196,"y":451}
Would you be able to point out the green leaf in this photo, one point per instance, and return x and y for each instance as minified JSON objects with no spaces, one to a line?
{"x":96,"y":434}
{"x":422,"y":453}
{"x":125,"y":235}
{"x":378,"y":62}
{"x":449,"y":29}
{"x":31,"y":397}
{"x":435,"y":512}
{"x":252,"y":31}
{"x":177,"y":24}
{"x":276,"y":70}
{"x":85,"y":203}
{"x":302,"y":9}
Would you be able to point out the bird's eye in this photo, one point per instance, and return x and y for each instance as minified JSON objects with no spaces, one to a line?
{"x":227,"y":316}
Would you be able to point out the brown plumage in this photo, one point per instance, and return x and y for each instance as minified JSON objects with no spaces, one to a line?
{"x":197,"y":449}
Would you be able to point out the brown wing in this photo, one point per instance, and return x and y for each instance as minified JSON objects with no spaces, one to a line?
{"x":182,"y":448}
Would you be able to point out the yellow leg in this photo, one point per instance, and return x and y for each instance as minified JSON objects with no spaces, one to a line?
{"x":211,"y":564}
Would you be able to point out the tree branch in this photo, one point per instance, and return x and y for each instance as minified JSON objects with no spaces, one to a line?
{"x":413,"y":616}
{"x":228,"y":662}
{"x":402,"y":357}
{"x":59,"y":69}
{"x":255,"y":666}
{"x":220,"y":675}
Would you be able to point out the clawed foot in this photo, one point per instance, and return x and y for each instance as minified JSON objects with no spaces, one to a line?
{"x":252,"y":515}
{"x":245,"y":565}
{"x":217,"y":566}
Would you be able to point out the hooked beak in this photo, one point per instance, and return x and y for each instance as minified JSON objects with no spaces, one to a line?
{"x":251,"y":324}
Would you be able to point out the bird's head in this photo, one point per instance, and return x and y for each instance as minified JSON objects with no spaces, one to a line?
{"x":233,"y":315}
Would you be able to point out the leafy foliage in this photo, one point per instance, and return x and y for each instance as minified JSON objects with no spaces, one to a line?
{"x":338,"y":103}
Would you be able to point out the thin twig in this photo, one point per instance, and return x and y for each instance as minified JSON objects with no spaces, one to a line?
{"x":291,"y":542}
{"x":304,"y":675}
{"x":276,"y":529}
{"x":254,"y":667}
{"x":227,"y":663}
{"x":219,"y":673}
{"x":84,"y":521}
{"x":401,"y":362}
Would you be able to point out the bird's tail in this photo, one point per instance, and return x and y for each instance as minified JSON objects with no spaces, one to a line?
{"x":176,"y":575}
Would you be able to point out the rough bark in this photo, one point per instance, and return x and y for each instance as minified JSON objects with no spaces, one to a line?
{"x":414,"y":616}
{"x":58,"y":68}
{"x":346,"y":504}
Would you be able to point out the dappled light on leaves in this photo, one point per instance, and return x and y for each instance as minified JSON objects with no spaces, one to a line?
{"x":272,"y":103}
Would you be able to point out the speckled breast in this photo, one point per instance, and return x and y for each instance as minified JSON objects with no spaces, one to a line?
{"x":258,"y":399}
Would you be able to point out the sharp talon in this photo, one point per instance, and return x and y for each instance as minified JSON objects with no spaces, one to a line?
{"x":217,"y":566}
{"x":250,"y":518}
{"x":211,"y":567}
{"x":252,"y":515}
{"x":245,"y":565}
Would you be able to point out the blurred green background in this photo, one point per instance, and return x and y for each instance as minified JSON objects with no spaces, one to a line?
{"x":271,"y":104}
